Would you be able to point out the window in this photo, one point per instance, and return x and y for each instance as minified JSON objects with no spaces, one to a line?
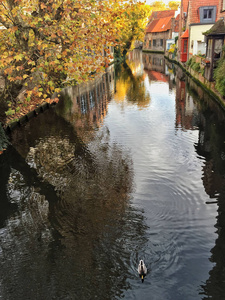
{"x":150,"y":43}
{"x":207,"y":14}
{"x":168,"y":46}
{"x":209,"y":49}
{"x":154,"y":43}
{"x":218,"y":48}
{"x":161,"y":42}
{"x":223,"y":4}
{"x":185,"y":46}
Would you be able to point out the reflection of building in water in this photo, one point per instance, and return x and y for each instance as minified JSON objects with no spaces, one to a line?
{"x":185,"y":107}
{"x":154,"y":61}
{"x":170,"y":73}
{"x":135,"y":55}
{"x":134,"y":62}
{"x":158,"y":69}
{"x":154,"y":66}
{"x":211,"y":149}
{"x":88,"y":102}
{"x":211,"y":146}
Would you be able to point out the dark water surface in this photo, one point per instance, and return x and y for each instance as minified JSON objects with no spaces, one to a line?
{"x":130,"y":167}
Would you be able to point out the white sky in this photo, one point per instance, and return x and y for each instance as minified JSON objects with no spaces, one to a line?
{"x":151,"y":1}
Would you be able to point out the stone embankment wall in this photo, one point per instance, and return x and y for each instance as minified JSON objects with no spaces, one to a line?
{"x":208,"y":86}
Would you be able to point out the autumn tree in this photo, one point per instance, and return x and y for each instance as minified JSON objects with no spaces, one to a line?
{"x":174,"y":5}
{"x":46,"y":45}
{"x":131,"y":24}
{"x":134,"y":18}
{"x":160,"y":5}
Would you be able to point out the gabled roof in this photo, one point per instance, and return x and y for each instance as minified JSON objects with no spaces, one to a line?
{"x":159,"y":25}
{"x":217,"y":29}
{"x":176,"y":24}
{"x":162,"y":14}
{"x":163,"y":24}
{"x":151,"y":26}
{"x":185,"y":34}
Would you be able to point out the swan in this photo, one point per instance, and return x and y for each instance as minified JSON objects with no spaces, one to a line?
{"x":142,"y":270}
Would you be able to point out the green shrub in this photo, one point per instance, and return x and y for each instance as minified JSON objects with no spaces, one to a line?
{"x":10,"y":112}
{"x":202,"y":71}
{"x":189,"y":62}
{"x":219,"y":76}
{"x":196,"y":67}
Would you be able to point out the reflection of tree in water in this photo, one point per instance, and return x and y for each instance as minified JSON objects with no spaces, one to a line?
{"x":3,"y":139}
{"x":214,"y":287}
{"x":84,"y":238}
{"x":106,"y":178}
{"x":131,"y":87}
{"x":211,"y":146}
{"x":50,"y":158}
{"x":24,"y":241}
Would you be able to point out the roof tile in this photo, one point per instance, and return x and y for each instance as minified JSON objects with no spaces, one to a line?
{"x":185,"y":34}
{"x":159,"y":25}
{"x":151,"y":26}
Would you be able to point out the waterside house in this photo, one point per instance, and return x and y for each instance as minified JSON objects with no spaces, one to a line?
{"x":196,"y":18}
{"x":215,"y":40}
{"x":161,"y":27}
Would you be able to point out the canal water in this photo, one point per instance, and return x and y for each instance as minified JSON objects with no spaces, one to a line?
{"x":128,"y":167}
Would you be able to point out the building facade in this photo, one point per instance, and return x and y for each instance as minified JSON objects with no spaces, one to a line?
{"x":196,"y":18}
{"x":161,"y":27}
{"x":215,"y":37}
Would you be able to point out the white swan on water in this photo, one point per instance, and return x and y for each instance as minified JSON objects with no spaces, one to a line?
{"x":142,"y":270}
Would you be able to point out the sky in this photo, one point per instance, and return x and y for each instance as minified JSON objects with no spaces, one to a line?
{"x":151,"y":1}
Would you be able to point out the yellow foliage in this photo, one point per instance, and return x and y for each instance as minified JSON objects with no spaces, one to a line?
{"x":63,"y":41}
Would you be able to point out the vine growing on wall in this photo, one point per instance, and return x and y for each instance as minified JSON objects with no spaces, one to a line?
{"x":219,"y":74}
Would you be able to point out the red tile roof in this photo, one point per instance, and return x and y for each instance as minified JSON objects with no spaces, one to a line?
{"x":151,"y":26}
{"x":185,"y":34}
{"x":156,"y":76}
{"x":177,"y":17}
{"x":163,"y":24}
{"x":162,"y":14}
{"x":176,"y":24}
{"x":185,"y":5}
{"x":159,"y":25}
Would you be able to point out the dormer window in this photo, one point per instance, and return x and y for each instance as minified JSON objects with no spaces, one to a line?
{"x":207,"y":14}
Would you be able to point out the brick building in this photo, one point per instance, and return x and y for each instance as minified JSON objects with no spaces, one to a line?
{"x":196,"y":18}
{"x":160,"y":28}
{"x":182,"y":28}
{"x":215,"y":40}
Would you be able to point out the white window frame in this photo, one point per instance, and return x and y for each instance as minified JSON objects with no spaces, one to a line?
{"x":223,"y":4}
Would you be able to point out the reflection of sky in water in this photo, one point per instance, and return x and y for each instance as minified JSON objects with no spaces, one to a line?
{"x":169,"y":189}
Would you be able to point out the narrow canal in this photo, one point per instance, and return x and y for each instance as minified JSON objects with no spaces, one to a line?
{"x":129,"y":167}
